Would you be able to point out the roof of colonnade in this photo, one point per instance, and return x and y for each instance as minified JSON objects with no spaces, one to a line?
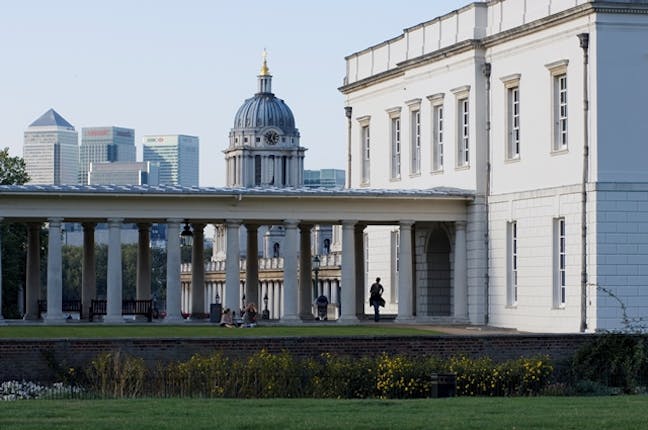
{"x":142,"y":203}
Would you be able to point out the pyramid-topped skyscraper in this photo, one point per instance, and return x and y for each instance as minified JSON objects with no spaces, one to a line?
{"x":51,"y":150}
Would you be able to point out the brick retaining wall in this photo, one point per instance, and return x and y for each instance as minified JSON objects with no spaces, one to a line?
{"x":37,"y":360}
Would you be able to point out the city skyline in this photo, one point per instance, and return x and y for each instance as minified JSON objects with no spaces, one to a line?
{"x":159,"y":68}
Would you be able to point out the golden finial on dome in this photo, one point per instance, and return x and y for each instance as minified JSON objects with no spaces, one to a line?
{"x":264,"y":68}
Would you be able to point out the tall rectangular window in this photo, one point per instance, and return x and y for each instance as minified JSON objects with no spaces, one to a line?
{"x":415,"y":142}
{"x":463,"y":141}
{"x":365,"y":154}
{"x":560,"y":263}
{"x":560,"y":112}
{"x":395,"y":147}
{"x":437,"y":138}
{"x":513,"y":120}
{"x":512,"y":264}
{"x":395,"y":263}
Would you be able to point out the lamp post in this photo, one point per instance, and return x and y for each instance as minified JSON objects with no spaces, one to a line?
{"x":186,"y":237}
{"x":266,"y":313}
{"x":316,"y":268}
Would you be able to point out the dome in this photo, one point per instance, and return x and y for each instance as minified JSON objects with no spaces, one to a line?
{"x":265,"y":110}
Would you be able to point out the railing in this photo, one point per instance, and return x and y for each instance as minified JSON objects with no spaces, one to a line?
{"x":129,"y":307}
{"x":66,"y":306}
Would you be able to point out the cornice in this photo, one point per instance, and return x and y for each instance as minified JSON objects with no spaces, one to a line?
{"x":489,"y":41}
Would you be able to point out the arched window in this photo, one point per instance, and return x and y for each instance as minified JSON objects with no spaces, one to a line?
{"x":327,"y":246}
{"x":275,"y":250}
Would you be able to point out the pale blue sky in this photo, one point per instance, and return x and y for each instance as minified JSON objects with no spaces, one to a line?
{"x":162,"y":66}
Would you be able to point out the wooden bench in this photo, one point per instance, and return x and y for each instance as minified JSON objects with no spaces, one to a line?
{"x":129,"y":307}
{"x":67,"y":307}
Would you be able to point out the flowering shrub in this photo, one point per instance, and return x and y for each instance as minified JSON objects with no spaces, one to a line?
{"x":266,"y":375}
{"x":23,"y":390}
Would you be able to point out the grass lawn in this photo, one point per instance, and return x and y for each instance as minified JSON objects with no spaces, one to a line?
{"x":458,"y":413}
{"x":195,"y":330}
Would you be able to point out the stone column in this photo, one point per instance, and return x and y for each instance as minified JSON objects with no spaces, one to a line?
{"x":2,"y":321}
{"x":54,"y":273}
{"x":32,"y":290}
{"x":290,"y":292}
{"x":143,"y":286}
{"x":174,"y":292}
{"x":252,"y":269}
{"x":360,"y":282}
{"x":88,"y":269}
{"x":460,"y":272}
{"x":306,"y":298}
{"x":348,"y":299}
{"x":405,"y":284}
{"x":198,"y":272}
{"x":232,"y":266}
{"x":114,"y":281}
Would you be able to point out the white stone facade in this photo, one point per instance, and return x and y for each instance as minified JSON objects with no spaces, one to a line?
{"x":498,"y":89}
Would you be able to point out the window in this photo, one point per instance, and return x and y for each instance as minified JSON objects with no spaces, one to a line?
{"x":395,"y":263}
{"x":512,"y":264}
{"x":559,"y":263}
{"x":276,"y":250}
{"x":416,"y":142}
{"x":365,"y":147}
{"x":257,"y":170}
{"x":512,"y":100}
{"x":559,"y":116}
{"x":463,"y":126}
{"x":463,"y":143}
{"x":560,"y":112}
{"x":437,"y":139}
{"x":395,"y":147}
{"x":513,"y":116}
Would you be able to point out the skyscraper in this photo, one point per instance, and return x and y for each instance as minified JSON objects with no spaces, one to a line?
{"x":105,"y":144}
{"x":177,"y":156}
{"x":51,"y":150}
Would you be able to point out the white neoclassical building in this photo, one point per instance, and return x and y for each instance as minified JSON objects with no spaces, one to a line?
{"x":539,"y":106}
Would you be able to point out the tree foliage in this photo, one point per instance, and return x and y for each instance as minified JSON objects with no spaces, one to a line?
{"x":14,"y":239}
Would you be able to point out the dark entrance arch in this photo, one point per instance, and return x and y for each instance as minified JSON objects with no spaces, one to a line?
{"x":439,"y":274}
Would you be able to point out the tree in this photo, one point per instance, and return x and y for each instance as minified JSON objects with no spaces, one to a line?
{"x":14,"y":239}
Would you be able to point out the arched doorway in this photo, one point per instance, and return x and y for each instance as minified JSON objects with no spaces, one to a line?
{"x":439,"y":274}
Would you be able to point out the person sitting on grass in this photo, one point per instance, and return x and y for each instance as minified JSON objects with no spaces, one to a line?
{"x":226,"y":318}
{"x":249,"y":316}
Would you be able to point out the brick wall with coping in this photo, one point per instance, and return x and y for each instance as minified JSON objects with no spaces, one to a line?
{"x":38,"y":360}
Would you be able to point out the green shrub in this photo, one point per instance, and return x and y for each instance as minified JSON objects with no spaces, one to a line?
{"x":117,"y":375}
{"x":614,"y":360}
{"x":343,"y":377}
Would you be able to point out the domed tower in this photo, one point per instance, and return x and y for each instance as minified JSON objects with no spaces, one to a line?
{"x":264,"y":146}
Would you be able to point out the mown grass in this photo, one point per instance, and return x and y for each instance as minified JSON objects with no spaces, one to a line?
{"x":193,"y":331}
{"x":287,"y":414}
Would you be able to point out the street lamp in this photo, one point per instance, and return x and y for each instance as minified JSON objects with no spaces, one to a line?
{"x":316,"y":268}
{"x":186,"y":237}
{"x":266,"y":313}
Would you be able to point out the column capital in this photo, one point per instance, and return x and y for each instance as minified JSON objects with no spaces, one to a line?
{"x":174,"y":221}
{"x":233,"y":222}
{"x":143,"y":225}
{"x":113,"y":221}
{"x":291,"y":223}
{"x":198,"y":225}
{"x":251,"y":227}
{"x":349,"y":222}
{"x":406,"y":223}
{"x":460,"y":225}
{"x":55,"y":220}
{"x":88,"y":225}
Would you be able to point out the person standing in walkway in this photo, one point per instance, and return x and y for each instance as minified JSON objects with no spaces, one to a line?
{"x":375,"y":298}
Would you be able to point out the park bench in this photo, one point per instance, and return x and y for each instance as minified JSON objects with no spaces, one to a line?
{"x":67,"y":307}
{"x":129,"y":307}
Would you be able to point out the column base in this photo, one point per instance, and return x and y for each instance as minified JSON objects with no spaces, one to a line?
{"x":290,"y":320}
{"x":114,"y":319}
{"x":348,"y":320}
{"x":307,"y":317}
{"x":172,"y":319}
{"x":54,"y":319}
{"x":2,"y":320}
{"x":31,"y":317}
{"x":405,"y":320}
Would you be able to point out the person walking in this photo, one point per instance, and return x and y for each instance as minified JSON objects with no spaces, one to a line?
{"x":375,"y":298}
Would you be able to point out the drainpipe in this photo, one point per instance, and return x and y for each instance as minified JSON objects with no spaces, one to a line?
{"x":584,"y":44}
{"x":347,"y":112}
{"x":486,"y":70}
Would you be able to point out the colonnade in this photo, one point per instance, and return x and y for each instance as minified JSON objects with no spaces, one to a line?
{"x":291,"y":297}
